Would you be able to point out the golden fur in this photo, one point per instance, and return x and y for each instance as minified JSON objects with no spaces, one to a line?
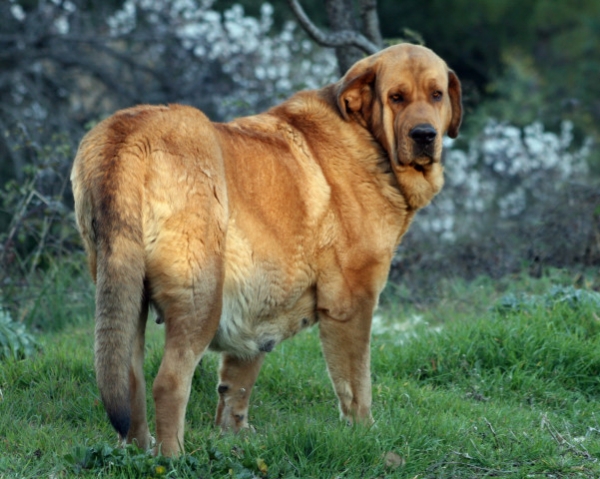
{"x":244,"y":233}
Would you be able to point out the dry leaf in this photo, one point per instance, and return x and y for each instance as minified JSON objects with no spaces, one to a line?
{"x":262,"y":465}
{"x":393,"y":460}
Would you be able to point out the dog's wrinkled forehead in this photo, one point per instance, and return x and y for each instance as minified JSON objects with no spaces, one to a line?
{"x":407,"y":55}
{"x":408,"y":61}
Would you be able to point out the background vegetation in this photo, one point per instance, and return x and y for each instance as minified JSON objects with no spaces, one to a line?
{"x":503,"y":391}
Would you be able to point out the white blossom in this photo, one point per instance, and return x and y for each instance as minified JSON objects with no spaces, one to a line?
{"x":266,"y":65}
{"x":17,"y":12}
{"x":124,"y":20}
{"x":503,"y":171}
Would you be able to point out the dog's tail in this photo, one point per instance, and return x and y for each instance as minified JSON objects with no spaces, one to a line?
{"x":108,"y":192}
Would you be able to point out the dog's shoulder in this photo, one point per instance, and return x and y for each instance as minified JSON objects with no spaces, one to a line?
{"x":309,"y":110}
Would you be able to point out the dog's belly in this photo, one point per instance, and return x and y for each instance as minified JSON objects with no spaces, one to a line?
{"x":256,"y":316}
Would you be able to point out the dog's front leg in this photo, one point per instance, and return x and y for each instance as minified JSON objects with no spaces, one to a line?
{"x":236,"y":380}
{"x":346,"y":346}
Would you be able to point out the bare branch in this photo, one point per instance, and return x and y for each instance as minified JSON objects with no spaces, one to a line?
{"x":338,"y":39}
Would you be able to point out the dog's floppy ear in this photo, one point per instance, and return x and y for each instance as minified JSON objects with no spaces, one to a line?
{"x":456,"y":103}
{"x":354,"y":91}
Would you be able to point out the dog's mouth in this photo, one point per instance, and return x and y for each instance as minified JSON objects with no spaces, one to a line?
{"x":424,"y":160}
{"x":415,"y":153}
{"x":419,"y":160}
{"x":424,"y":154}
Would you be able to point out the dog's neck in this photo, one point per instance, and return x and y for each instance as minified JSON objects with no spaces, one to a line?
{"x":379,"y":162}
{"x":363,"y":155}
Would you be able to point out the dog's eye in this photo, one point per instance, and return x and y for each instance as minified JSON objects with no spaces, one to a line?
{"x":396,"y":98}
{"x":437,"y":95}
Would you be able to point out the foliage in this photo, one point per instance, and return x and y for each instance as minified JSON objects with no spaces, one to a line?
{"x":260,"y":66}
{"x":132,"y":462}
{"x":506,"y":170}
{"x":36,"y":209}
{"x":526,"y":93}
{"x":575,"y":298}
{"x":40,"y":232}
{"x":518,"y":193}
{"x":15,"y":342}
{"x":559,"y":40}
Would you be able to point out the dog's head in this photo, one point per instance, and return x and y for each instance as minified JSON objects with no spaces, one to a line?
{"x":408,"y":98}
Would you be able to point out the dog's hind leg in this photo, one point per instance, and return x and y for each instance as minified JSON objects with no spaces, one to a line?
{"x":236,"y":380}
{"x":138,"y":431}
{"x":188,"y":290}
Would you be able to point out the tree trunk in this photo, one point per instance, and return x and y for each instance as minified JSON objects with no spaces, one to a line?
{"x":340,"y":14}
{"x":350,"y":41}
{"x":370,"y":21}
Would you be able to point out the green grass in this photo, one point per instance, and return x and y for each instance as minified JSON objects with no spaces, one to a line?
{"x":461,"y":390}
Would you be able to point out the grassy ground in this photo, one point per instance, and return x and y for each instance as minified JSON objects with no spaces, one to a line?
{"x":485,"y":383}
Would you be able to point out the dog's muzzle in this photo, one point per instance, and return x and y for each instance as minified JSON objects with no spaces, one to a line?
{"x":423,"y":136}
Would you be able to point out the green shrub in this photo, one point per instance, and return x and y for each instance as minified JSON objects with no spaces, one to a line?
{"x":15,"y":342}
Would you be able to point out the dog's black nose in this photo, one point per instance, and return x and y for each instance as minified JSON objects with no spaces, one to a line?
{"x":423,"y":134}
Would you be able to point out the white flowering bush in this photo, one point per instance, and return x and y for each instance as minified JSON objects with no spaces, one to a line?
{"x":512,"y":197}
{"x":260,"y":66}
{"x":69,"y":64}
{"x":504,"y":170}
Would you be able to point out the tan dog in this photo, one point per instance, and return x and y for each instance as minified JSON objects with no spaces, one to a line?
{"x":242,"y":234}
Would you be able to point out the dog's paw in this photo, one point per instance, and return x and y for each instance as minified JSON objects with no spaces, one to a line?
{"x":366,"y":421}
{"x":148,"y":444}
{"x":233,"y":429}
